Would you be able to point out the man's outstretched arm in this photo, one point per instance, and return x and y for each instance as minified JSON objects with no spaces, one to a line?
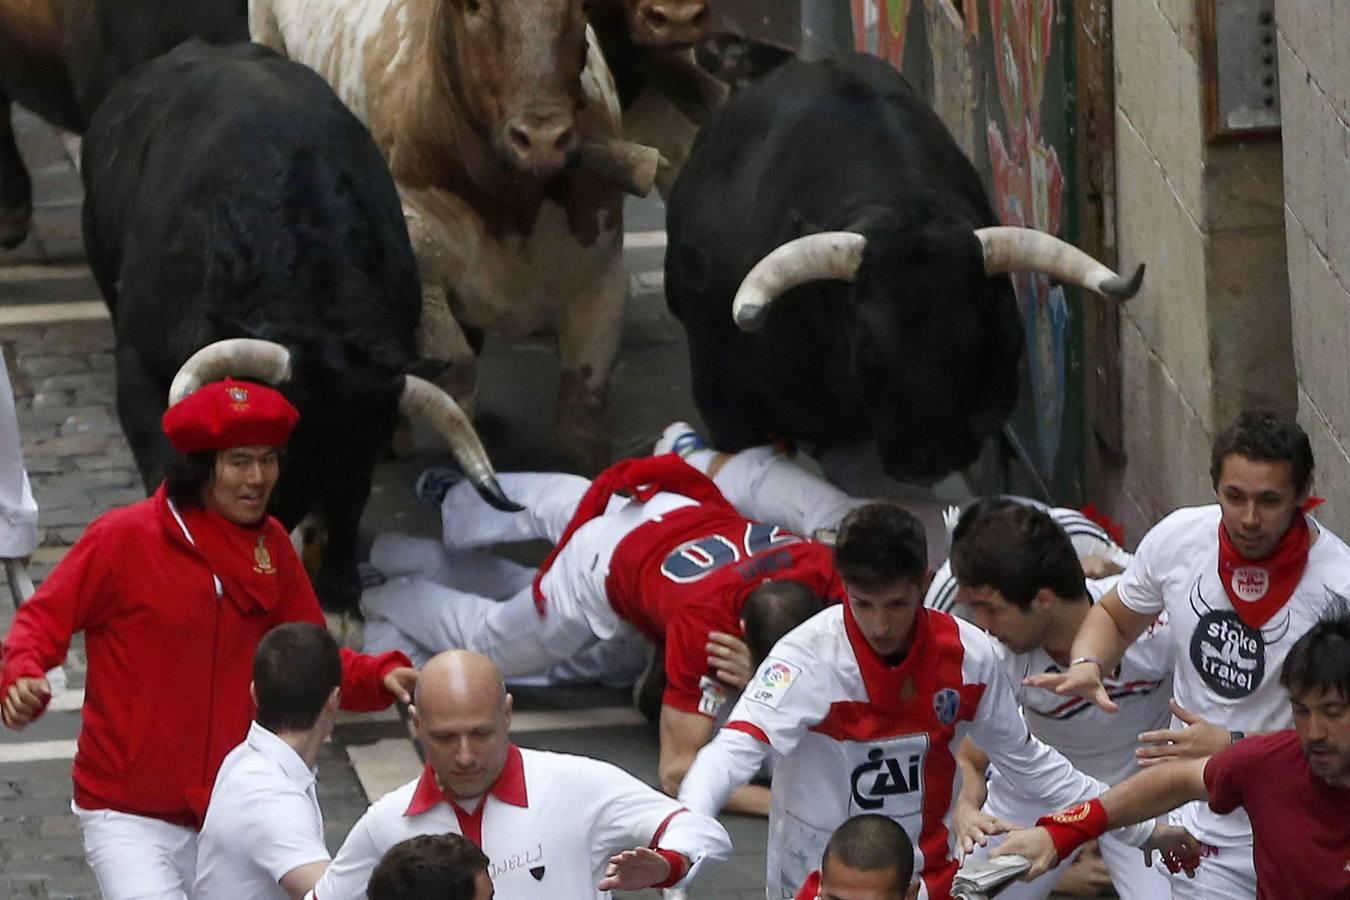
{"x":683,"y":735}
{"x":1110,"y":628}
{"x":1138,"y":798}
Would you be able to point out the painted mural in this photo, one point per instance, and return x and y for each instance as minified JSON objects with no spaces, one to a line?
{"x":1020,"y":163}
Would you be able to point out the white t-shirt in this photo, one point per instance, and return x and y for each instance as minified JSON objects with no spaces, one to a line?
{"x":1088,"y":539}
{"x":1098,"y":743}
{"x":857,"y":736}
{"x":1225,"y":671}
{"x":263,"y":821}
{"x":548,"y":827}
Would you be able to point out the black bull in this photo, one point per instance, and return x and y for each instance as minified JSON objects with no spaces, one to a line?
{"x":911,"y":345}
{"x":229,"y":193}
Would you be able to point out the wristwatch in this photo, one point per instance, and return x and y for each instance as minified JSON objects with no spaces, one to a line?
{"x":1236,"y":736}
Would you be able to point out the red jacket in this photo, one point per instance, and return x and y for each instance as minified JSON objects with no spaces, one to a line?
{"x":166,"y":696}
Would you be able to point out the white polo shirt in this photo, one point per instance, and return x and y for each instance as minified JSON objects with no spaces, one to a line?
{"x":263,"y":821}
{"x":548,"y":826}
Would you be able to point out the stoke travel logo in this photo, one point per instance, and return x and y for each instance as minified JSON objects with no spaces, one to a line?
{"x":1251,"y":582}
{"x":1229,"y":655}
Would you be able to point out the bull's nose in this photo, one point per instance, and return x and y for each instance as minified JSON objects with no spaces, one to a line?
{"x":541,"y":142}
{"x":668,"y":22}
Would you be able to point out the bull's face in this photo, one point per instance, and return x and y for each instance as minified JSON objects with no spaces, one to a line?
{"x":934,"y":350}
{"x":516,"y":65}
{"x":668,"y":23}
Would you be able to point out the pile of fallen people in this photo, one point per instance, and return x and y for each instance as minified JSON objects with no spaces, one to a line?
{"x":1182,"y":708}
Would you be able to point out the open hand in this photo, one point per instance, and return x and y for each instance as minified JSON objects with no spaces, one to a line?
{"x":729,"y":657}
{"x":1197,"y":740}
{"x":1083,"y":680}
{"x":24,"y":702}
{"x":633,"y":870}
{"x":1179,"y":851}
{"x":972,"y":826}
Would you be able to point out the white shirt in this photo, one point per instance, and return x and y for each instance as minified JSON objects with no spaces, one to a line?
{"x":856,"y":736}
{"x":263,"y":821}
{"x":1099,"y":743}
{"x":548,"y":826}
{"x":1225,"y":671}
{"x":1088,"y":539}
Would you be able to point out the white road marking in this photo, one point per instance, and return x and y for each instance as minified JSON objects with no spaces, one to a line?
{"x":36,"y":751}
{"x":69,"y":700}
{"x":568,"y":719}
{"x":643,"y":240}
{"x":45,"y":313}
{"x":384,"y":765}
{"x":24,"y":272}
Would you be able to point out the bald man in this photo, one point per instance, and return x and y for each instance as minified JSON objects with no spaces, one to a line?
{"x":551,"y":824}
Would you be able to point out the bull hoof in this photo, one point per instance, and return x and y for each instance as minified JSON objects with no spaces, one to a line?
{"x":14,"y":225}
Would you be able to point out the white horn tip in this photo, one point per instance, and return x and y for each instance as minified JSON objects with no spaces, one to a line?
{"x":750,"y":314}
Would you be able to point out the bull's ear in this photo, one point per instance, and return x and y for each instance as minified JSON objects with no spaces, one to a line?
{"x":427,"y":369}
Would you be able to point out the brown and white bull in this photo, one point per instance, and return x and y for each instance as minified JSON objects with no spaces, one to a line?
{"x":495,"y":117}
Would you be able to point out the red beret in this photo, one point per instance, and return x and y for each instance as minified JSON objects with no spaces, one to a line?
{"x":229,"y":413}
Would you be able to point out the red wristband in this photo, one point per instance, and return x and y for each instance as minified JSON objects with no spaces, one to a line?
{"x":1075,"y":826}
{"x":678,"y":866}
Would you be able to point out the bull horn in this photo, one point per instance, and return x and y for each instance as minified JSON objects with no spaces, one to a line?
{"x":830,"y":254}
{"x":242,"y":357}
{"x":1008,"y":247}
{"x":423,"y":400}
{"x":632,"y":167}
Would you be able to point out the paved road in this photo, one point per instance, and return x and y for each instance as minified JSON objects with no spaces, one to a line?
{"x":58,"y":342}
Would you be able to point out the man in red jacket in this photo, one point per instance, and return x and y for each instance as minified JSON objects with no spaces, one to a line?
{"x":173,"y":595}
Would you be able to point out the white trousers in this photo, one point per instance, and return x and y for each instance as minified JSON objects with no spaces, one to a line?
{"x":138,"y":858}
{"x":18,"y":510}
{"x":465,"y":598}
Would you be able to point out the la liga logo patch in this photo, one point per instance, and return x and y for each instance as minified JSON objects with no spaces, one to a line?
{"x":773,"y":681}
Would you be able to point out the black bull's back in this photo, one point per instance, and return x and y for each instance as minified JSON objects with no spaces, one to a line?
{"x":230,"y":194}
{"x":843,"y":145}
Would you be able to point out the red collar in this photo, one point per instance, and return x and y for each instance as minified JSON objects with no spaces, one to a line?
{"x":886,"y":683}
{"x":508,"y":788}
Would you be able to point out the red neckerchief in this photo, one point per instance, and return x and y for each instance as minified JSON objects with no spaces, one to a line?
{"x":244,"y":558}
{"x":1259,"y":588}
{"x":508,"y":788}
{"x":643,"y":478}
{"x":886,"y":683}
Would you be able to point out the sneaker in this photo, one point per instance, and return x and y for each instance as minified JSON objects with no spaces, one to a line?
{"x":680,"y":438}
{"x":435,"y":482}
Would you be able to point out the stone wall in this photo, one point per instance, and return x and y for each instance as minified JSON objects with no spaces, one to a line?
{"x":1210,"y":332}
{"x":1314,"y":48}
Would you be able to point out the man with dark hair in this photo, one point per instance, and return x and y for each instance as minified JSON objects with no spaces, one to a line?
{"x":263,"y":832}
{"x":674,"y":560}
{"x":1241,"y":581}
{"x":173,"y":596}
{"x":557,"y":825}
{"x":432,"y":867}
{"x":865,"y":704}
{"x":1020,"y":577}
{"x":1294,"y":784}
{"x":869,"y":857}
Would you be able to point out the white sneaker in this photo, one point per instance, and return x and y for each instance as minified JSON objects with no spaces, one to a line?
{"x":679,"y":437}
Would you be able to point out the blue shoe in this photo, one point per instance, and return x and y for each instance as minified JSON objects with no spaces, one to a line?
{"x":680,"y":438}
{"x":435,"y":482}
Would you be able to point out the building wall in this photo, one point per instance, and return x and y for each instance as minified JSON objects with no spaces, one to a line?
{"x":1314,"y":55}
{"x":1210,"y":331}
